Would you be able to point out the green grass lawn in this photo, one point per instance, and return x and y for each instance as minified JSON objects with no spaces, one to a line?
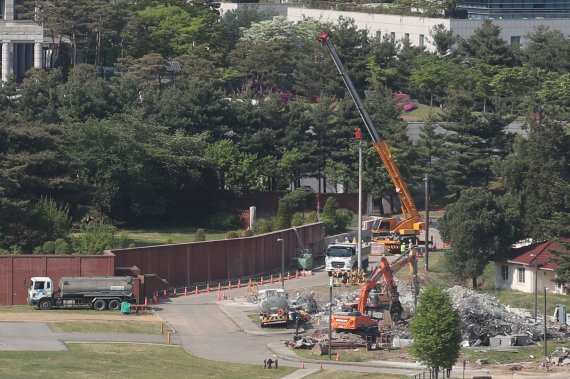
{"x":84,"y":360}
{"x":132,"y":327}
{"x":422,"y":112}
{"x":148,"y":237}
{"x":500,"y":357}
{"x":351,"y":355}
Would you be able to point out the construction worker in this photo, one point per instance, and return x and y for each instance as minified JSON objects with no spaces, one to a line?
{"x":403,"y":247}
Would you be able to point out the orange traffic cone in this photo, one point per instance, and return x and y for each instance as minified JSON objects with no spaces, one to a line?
{"x":337,"y":357}
{"x":302,"y":364}
{"x":185,"y":291}
{"x":224,"y":297}
{"x":271,"y":279}
{"x":261,"y":279}
{"x":280,"y":278}
{"x":208,"y":288}
{"x":288,"y":275}
{"x":219,"y":298}
{"x":229,"y":285}
{"x":239,"y":283}
{"x":297,"y":274}
{"x":196,"y":291}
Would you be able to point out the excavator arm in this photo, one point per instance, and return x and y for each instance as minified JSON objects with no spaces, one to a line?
{"x":411,"y":217}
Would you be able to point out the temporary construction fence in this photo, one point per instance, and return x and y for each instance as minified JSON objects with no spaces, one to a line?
{"x":206,"y":287}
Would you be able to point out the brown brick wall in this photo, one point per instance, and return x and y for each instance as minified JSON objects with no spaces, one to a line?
{"x":16,"y":271}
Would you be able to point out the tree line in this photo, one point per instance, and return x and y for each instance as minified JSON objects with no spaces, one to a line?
{"x":201,"y":103}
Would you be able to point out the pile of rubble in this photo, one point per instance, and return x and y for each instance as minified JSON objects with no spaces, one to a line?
{"x":482,"y":316}
{"x":560,"y":357}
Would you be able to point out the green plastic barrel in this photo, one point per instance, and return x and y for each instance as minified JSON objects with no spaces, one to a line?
{"x":125,"y":307}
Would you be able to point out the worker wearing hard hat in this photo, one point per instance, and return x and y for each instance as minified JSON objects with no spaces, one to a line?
{"x":403,"y":247}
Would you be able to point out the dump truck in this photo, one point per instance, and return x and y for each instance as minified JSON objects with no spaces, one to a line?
{"x":96,"y":292}
{"x":273,"y":307}
{"x":343,"y":257}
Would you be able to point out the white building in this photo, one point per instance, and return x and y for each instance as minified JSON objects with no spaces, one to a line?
{"x":528,"y":269}
{"x":22,"y":42}
{"x":415,"y":28}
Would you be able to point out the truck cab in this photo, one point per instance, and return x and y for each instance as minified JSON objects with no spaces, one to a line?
{"x":343,"y":257}
{"x":41,"y":288}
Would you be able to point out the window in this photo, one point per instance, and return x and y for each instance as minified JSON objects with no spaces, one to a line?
{"x":515,"y":40}
{"x":521,"y":274}
{"x":422,"y":40}
{"x":393,"y":36}
{"x":407,"y":37}
{"x":505,"y":272}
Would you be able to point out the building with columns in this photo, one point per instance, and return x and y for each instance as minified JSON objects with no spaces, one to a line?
{"x":22,"y":42}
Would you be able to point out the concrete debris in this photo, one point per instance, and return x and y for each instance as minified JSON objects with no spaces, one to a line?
{"x":560,"y":357}
{"x":482,"y":317}
{"x":305,"y":300}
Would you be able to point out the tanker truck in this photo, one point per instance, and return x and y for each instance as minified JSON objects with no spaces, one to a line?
{"x":97,"y":292}
{"x":273,"y":307}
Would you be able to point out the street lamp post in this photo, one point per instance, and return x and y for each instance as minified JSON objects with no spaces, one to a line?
{"x":330,"y":316}
{"x":358,"y":136}
{"x":545,"y":349}
{"x":426,"y":243}
{"x":282,"y":262}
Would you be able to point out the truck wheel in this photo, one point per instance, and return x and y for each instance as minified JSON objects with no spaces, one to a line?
{"x":45,"y":304}
{"x":114,"y":305}
{"x":99,"y":305}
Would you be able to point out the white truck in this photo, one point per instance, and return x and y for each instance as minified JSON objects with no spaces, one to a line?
{"x":273,"y":307}
{"x":97,"y":292}
{"x":343,"y":257}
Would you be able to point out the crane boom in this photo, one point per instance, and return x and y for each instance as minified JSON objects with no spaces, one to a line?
{"x":411,"y":217}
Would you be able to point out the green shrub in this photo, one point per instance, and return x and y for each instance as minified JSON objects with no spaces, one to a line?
{"x":223,"y":221}
{"x":132,"y":244}
{"x":247,"y":233}
{"x":61,"y":246}
{"x":200,"y":235}
{"x":263,"y":226}
{"x":169,"y":241}
{"x":284,"y":214}
{"x":48,"y":247}
{"x":96,"y":237}
{"x":50,"y":219}
{"x":38,"y":250}
{"x":343,"y":219}
{"x":300,"y":199}
{"x":310,"y":217}
{"x":298,"y":219}
{"x":232,"y":234}
{"x":329,"y":211}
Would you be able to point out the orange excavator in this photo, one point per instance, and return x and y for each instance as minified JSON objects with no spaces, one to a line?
{"x":353,"y":317}
{"x":390,"y":232}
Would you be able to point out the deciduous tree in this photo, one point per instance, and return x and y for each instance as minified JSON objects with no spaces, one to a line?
{"x":435,"y":330}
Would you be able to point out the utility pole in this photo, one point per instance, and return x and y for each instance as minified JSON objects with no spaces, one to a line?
{"x":426,"y":180}
{"x":330,"y":316}
{"x":545,"y":349}
{"x":358,"y":136}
